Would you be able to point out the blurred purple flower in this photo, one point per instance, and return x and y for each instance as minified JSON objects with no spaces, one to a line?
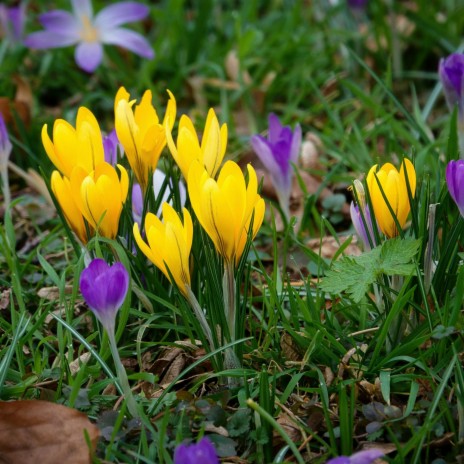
{"x":63,"y":29}
{"x":277,"y":152}
{"x":12,"y":20}
{"x":111,"y":146}
{"x":5,"y":152}
{"x":5,"y":144}
{"x":357,"y":4}
{"x":451,"y":72}
{"x":202,"y":452}
{"x":455,"y":181}
{"x":361,"y":457}
{"x":104,"y":289}
{"x":159,"y":178}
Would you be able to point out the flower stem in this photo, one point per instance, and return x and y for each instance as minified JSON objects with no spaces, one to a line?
{"x":231,"y":360}
{"x":122,"y":376}
{"x":5,"y":185}
{"x":200,"y":316}
{"x":228,"y":286}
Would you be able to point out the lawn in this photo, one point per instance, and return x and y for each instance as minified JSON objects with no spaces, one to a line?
{"x":232,"y":231}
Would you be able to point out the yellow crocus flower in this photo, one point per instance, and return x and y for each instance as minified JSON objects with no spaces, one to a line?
{"x":71,"y":147}
{"x":141,"y":133}
{"x":169,"y":244}
{"x":61,"y":188}
{"x":395,"y":189}
{"x":211,"y":151}
{"x":100,"y":196}
{"x":226,"y":207}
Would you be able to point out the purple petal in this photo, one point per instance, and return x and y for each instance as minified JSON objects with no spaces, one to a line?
{"x":60,"y":22}
{"x":358,"y":225}
{"x":82,"y":8}
{"x":275,"y":128}
{"x":137,"y":203}
{"x":89,"y":55}
{"x":202,"y":452}
{"x":5,"y":144}
{"x":339,"y":460}
{"x":120,"y":13}
{"x":357,"y":4}
{"x":295,"y":146}
{"x":263,"y":149}
{"x":44,"y":39}
{"x":366,"y":456}
{"x":17,"y":17}
{"x":281,"y":151}
{"x":128,"y":39}
{"x":117,"y":285}
{"x":88,"y":284}
{"x":451,"y":72}
{"x":455,"y":182}
{"x":111,"y":147}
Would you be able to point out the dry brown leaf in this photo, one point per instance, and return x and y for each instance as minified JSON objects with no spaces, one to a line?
{"x":53,"y":293}
{"x":290,"y":349}
{"x":20,"y":106}
{"x":39,"y":431}
{"x":5,"y":299}
{"x":328,"y":246}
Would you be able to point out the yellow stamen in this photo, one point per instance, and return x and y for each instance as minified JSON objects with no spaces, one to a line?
{"x":89,"y":33}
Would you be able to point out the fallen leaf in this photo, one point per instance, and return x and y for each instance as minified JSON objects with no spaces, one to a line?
{"x":39,"y":431}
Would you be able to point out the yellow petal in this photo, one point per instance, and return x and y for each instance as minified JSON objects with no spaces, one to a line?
{"x":61,"y":188}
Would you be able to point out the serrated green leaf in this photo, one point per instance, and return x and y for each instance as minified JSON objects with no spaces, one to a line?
{"x":354,"y":275}
{"x":348,"y":275}
{"x":397,"y":254}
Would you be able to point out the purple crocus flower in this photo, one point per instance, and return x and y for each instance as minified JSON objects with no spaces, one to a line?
{"x":202,"y":452}
{"x":111,"y":146}
{"x":361,"y":457}
{"x":277,"y":152}
{"x":455,"y":181}
{"x":451,"y":72}
{"x":159,"y":179}
{"x":63,"y":29}
{"x":12,"y":20}
{"x":104,"y":289}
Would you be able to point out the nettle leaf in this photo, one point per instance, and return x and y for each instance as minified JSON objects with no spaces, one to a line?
{"x":397,"y":254}
{"x":347,"y":275}
{"x":355,"y":274}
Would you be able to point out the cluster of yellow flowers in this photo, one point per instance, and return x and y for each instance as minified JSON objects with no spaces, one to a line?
{"x":85,"y":186}
{"x":91,"y":194}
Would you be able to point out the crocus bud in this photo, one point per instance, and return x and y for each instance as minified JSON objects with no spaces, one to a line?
{"x":277,"y":152}
{"x":357,"y":212}
{"x":104,"y":289}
